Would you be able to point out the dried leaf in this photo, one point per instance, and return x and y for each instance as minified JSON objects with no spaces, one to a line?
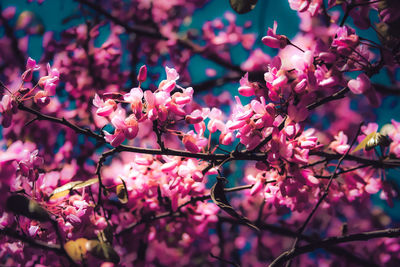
{"x":22,"y":205}
{"x":218,"y":197}
{"x":365,"y":141}
{"x":379,"y":140}
{"x":103,"y":251}
{"x":64,"y":190}
{"x":77,"y":249}
{"x":372,"y":140}
{"x":243,"y":6}
{"x":86,"y":183}
{"x":122,"y":192}
{"x":108,"y":234}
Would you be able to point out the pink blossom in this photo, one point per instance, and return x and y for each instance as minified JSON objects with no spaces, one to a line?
{"x":340,"y":144}
{"x":306,"y":5}
{"x":49,"y":82}
{"x":7,"y":109}
{"x":345,"y":40}
{"x":246,"y":88}
{"x":125,"y":127}
{"x":194,"y":142}
{"x":135,"y":98}
{"x":275,"y":40}
{"x":104,"y":109}
{"x":359,"y":85}
{"x":169,"y":84}
{"x":275,"y":79}
{"x":31,"y":66}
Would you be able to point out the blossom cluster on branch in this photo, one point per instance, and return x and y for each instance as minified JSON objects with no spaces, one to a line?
{"x":107,"y":165}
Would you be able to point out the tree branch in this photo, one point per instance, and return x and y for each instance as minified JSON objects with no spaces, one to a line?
{"x":142,"y":30}
{"x":34,"y":243}
{"x":193,"y":200}
{"x":9,"y":32}
{"x":62,"y":121}
{"x":151,"y":33}
{"x":283,"y":231}
{"x":338,"y":95}
{"x":331,"y":241}
{"x":385,"y":163}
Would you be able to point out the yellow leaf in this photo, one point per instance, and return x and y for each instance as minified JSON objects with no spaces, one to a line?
{"x":365,"y":141}
{"x":103,"y":251}
{"x":86,"y":183}
{"x":76,"y":249}
{"x":64,"y":190}
{"x":122,"y":192}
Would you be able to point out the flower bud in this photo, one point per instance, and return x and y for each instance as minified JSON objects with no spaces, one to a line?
{"x":142,"y":74}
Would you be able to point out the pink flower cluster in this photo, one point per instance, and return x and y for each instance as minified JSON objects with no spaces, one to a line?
{"x":128,"y":157}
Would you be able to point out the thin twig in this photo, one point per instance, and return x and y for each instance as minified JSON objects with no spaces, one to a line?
{"x":386,"y":163}
{"x":62,"y":121}
{"x":33,"y":242}
{"x":193,"y":200}
{"x":321,"y":199}
{"x":151,"y":33}
{"x":37,"y":243}
{"x":331,"y":241}
{"x":338,"y":95}
{"x":224,"y":260}
{"x":9,"y":32}
{"x":283,"y":231}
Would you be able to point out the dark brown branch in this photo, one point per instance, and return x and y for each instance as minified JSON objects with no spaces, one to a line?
{"x":224,"y":260}
{"x":193,"y":200}
{"x":9,"y":32}
{"x":145,"y":31}
{"x":283,"y":231}
{"x":338,"y":95}
{"x":62,"y":121}
{"x":34,"y":243}
{"x":341,"y":172}
{"x":386,"y":163}
{"x":100,"y":163}
{"x":331,"y":241}
{"x":386,"y":89}
{"x":152,"y":33}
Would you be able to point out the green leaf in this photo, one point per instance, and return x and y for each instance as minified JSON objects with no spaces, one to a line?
{"x":22,"y":205}
{"x":217,"y":194}
{"x":243,"y":6}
